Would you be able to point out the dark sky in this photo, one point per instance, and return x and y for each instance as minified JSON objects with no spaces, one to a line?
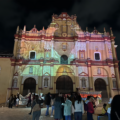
{"x":90,"y":13}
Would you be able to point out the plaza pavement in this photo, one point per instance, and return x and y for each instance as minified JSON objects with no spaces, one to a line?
{"x":22,"y":114}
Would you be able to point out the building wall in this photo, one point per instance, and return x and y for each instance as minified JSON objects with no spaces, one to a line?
{"x":5,"y":76}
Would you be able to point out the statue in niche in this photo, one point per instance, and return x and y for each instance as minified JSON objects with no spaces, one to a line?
{"x":31,"y":70}
{"x":64,"y":59}
{"x":14,"y":83}
{"x":99,"y":71}
{"x":46,"y":82}
{"x":47,"y":55}
{"x":83,"y":82}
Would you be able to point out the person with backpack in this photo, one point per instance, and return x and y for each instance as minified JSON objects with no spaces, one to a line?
{"x":36,"y":108}
{"x":78,"y":108}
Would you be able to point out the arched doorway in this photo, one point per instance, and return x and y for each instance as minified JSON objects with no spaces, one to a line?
{"x":29,"y":84}
{"x":64,"y":59}
{"x":64,"y":84}
{"x":100,"y":85}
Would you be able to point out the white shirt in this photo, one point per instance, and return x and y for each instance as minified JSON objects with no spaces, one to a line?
{"x":109,"y":110}
{"x":79,"y":107}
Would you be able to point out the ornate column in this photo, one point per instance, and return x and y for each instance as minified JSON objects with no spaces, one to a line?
{"x":88,"y":50}
{"x":15,"y":47}
{"x":52,"y":48}
{"x":76,"y":49}
{"x":52,"y":77}
{"x":106,"y":48}
{"x":90,"y":76}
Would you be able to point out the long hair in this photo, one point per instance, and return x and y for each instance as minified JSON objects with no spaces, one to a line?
{"x":79,"y":99}
{"x":115,"y":108}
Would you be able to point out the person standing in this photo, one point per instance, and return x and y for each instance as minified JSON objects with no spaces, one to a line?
{"x":29,"y":100}
{"x":79,"y":108}
{"x":115,"y":108}
{"x":62,"y":101}
{"x":52,"y":104}
{"x":90,"y":109}
{"x":33,"y":98}
{"x":36,"y":108}
{"x":47,"y":102}
{"x":109,"y":109}
{"x":67,"y":109}
{"x":11,"y":101}
{"x":58,"y":108}
{"x":14,"y":99}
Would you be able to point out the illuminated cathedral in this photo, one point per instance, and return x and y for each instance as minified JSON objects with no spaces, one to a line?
{"x":61,"y":58}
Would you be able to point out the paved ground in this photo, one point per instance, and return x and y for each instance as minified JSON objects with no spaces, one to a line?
{"x":22,"y":113}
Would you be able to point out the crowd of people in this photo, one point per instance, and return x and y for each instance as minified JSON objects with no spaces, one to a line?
{"x":70,"y":107}
{"x":13,"y":100}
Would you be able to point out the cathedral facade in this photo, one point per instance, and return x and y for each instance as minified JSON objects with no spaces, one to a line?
{"x":61,"y":58}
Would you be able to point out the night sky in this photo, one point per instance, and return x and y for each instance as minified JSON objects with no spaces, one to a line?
{"x":90,"y":13}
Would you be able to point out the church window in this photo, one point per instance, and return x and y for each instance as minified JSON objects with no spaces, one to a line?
{"x":64,"y":59}
{"x":114,"y":84}
{"x":46,"y":82}
{"x":31,"y":70}
{"x":14,"y":83}
{"x":97,"y":56}
{"x":83,"y":82}
{"x":32,"y":55}
{"x":99,"y":71}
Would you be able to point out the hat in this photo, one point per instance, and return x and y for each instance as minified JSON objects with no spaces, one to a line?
{"x":110,"y":100}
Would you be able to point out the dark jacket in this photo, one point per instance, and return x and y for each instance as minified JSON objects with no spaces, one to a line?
{"x":58,"y":110}
{"x":47,"y":99}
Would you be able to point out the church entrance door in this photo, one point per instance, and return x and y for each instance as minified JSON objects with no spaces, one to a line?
{"x":100,"y":85}
{"x":29,"y":85}
{"x":64,"y":84}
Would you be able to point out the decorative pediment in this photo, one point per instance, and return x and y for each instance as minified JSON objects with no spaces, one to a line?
{"x":34,"y":30}
{"x":83,"y":74}
{"x":113,"y":75}
{"x":16,"y":74}
{"x":46,"y":74}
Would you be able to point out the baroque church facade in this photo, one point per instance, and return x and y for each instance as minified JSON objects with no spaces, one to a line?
{"x":61,"y":58}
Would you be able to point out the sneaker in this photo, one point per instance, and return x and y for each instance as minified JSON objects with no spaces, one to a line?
{"x":51,"y":116}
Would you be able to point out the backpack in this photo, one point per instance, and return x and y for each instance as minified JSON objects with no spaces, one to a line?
{"x":85,"y":106}
{"x":36,"y":107}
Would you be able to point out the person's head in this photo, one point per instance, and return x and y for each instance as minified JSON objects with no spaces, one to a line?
{"x":104,"y":105}
{"x":49,"y":94}
{"x":52,"y":96}
{"x":78,"y":98}
{"x":91,"y":99}
{"x":115,"y":108}
{"x":68,"y":98}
